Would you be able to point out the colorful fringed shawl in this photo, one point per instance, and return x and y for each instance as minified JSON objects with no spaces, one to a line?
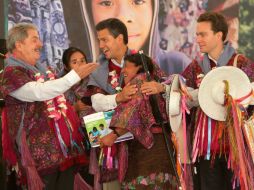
{"x":213,"y":138}
{"x":41,"y":135}
{"x":240,"y":160}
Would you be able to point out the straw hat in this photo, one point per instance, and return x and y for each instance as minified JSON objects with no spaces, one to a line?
{"x":211,"y":90}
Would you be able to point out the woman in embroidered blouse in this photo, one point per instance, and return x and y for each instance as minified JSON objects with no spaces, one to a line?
{"x":77,"y":95}
{"x":148,"y":165}
{"x":75,"y":57}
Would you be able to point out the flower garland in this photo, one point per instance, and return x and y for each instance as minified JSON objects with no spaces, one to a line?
{"x":114,"y":81}
{"x":108,"y":158}
{"x":57,"y":102}
{"x":56,"y":107}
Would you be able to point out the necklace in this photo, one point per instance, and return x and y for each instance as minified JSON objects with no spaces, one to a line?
{"x":55,"y":106}
{"x":114,"y":81}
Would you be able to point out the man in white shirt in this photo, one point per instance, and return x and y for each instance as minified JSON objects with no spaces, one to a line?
{"x":36,"y":112}
{"x":113,"y":39}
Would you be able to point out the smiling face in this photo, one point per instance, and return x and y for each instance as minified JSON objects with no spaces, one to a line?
{"x":130,"y":70}
{"x":135,"y":14}
{"x":109,"y":45}
{"x":207,"y":39}
{"x":28,"y":49}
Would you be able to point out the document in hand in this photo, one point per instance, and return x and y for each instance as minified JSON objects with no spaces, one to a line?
{"x":97,"y":126}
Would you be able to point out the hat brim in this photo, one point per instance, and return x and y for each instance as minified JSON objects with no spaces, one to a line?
{"x":212,"y":89}
{"x":175,"y":120}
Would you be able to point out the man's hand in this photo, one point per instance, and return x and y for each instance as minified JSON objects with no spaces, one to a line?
{"x":193,"y":102}
{"x":152,"y":87}
{"x":79,"y":106}
{"x":84,"y":70}
{"x":126,"y":93}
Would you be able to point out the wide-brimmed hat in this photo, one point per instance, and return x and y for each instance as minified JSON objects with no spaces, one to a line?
{"x":175,"y":113}
{"x":174,"y":105}
{"x":211,"y":94}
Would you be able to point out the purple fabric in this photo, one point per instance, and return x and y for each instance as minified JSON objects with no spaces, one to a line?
{"x":42,"y":142}
{"x":135,"y":116}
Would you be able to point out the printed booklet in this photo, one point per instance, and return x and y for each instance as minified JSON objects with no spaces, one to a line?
{"x":97,"y":126}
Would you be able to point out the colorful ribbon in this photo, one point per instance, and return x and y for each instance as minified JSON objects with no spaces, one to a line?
{"x":209,"y":139}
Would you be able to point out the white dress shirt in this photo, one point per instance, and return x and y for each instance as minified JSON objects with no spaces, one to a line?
{"x":101,"y":102}
{"x":41,"y":91}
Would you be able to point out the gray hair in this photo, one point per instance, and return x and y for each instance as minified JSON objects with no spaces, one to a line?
{"x":18,"y":33}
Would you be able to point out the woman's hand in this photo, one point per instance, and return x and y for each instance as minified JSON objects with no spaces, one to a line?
{"x":108,"y":140}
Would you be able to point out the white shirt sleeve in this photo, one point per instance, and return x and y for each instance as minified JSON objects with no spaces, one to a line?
{"x":41,"y":91}
{"x":101,"y":102}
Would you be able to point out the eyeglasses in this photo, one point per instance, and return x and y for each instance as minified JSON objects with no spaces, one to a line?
{"x":75,"y":61}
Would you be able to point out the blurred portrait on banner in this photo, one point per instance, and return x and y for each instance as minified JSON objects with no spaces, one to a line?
{"x":143,"y":21}
{"x":164,"y":29}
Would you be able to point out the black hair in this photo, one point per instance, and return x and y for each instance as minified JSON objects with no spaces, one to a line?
{"x":68,"y":53}
{"x":115,"y":27}
{"x":136,"y":59}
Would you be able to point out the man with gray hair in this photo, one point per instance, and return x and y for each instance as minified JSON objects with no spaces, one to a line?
{"x":41,"y":139}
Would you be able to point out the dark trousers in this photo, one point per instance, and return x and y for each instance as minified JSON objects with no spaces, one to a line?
{"x":64,"y":180}
{"x":212,"y":177}
{"x":61,"y":180}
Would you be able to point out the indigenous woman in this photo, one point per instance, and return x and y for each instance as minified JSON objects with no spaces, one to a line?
{"x":146,"y":164}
